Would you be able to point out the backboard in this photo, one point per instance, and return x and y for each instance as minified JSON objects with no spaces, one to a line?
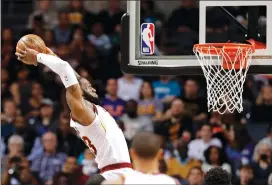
{"x":174,"y":42}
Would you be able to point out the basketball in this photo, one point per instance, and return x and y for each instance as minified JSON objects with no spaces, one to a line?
{"x":32,"y":41}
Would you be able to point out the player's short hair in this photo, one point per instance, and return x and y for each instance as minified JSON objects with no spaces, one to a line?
{"x":246,"y":167}
{"x":216,"y":176}
{"x":146,"y":145}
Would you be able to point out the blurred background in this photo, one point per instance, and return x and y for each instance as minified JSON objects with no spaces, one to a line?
{"x":39,"y":147}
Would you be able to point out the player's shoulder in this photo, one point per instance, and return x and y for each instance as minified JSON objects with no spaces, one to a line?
{"x":166,"y":179}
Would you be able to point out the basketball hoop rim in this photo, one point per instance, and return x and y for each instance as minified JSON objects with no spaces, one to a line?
{"x":226,"y":46}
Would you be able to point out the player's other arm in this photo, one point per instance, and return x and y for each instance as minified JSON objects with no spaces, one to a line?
{"x":73,"y":91}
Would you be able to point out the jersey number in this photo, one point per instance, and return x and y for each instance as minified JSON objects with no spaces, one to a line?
{"x":89,"y":144}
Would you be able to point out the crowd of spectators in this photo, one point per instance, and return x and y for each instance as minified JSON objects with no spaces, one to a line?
{"x":39,"y":147}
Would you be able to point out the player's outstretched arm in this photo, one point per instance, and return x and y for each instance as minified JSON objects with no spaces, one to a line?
{"x":74,"y":97}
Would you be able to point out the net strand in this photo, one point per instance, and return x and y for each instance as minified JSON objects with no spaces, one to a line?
{"x":224,"y":85}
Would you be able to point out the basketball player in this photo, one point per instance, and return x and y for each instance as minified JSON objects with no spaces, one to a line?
{"x":94,"y":125}
{"x":147,"y":36}
{"x":217,"y":176}
{"x":145,"y":153}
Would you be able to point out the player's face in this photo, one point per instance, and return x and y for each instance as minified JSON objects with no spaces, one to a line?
{"x":195,"y":177}
{"x":89,"y":93}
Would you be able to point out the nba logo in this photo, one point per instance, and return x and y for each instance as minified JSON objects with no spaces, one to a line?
{"x":147,"y":39}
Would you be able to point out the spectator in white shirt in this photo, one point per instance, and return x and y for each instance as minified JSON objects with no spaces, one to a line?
{"x":129,"y":87}
{"x":198,"y":146}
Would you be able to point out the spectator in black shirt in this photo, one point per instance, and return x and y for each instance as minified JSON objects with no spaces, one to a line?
{"x":246,"y":176}
{"x":27,"y":133}
{"x":67,"y":141}
{"x":196,"y":106}
{"x":262,"y":165}
{"x":185,"y":18}
{"x":111,"y":18}
{"x":262,"y":111}
{"x":175,"y":122}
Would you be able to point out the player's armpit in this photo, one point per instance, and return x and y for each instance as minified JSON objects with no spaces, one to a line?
{"x":119,"y":180}
{"x":79,"y":111}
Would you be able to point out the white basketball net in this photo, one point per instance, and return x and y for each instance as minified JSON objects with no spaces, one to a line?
{"x":224,"y":86}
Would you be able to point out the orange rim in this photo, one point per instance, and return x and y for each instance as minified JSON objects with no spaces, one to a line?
{"x":230,"y":50}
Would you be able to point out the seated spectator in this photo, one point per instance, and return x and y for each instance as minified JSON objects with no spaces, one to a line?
{"x":148,"y":105}
{"x":26,"y":132}
{"x":78,"y":44}
{"x":78,"y":15}
{"x":88,"y":166}
{"x":195,"y":176}
{"x":173,"y":123}
{"x":37,"y":26}
{"x":18,"y":172}
{"x":8,"y":59}
{"x":8,"y":117}
{"x":133,"y":123}
{"x":91,"y":61}
{"x":3,"y":146}
{"x":215,"y":157}
{"x":179,"y":164}
{"x":150,"y":15}
{"x":21,"y":89}
{"x":217,"y":22}
{"x":15,"y":149}
{"x":112,"y":103}
{"x":198,"y":146}
{"x":267,"y":140}
{"x":129,"y":87}
{"x":262,"y":164}
{"x":62,"y":179}
{"x":33,"y":103}
{"x":49,"y":39}
{"x":64,"y":52}
{"x":261,"y":112}
{"x":70,"y":165}
{"x":246,"y":176}
{"x":270,"y":179}
{"x":63,"y":31}
{"x":188,"y":8}
{"x":5,"y":78}
{"x":10,"y":111}
{"x":99,"y":39}
{"x":240,"y":147}
{"x":111,"y":18}
{"x":50,"y":161}
{"x":46,"y":9}
{"x":45,"y":122}
{"x":166,"y":89}
{"x":196,"y":106}
{"x":68,"y":142}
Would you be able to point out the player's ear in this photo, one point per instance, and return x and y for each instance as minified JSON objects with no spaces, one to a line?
{"x":159,"y":154}
{"x":132,"y":153}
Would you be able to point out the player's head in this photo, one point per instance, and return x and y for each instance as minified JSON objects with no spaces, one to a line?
{"x":145,"y":146}
{"x":89,"y":93}
{"x":217,"y":176}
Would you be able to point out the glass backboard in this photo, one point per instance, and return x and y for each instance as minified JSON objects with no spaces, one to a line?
{"x":184,"y":23}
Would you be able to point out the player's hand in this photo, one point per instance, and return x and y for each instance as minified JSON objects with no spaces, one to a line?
{"x":50,"y":52}
{"x":27,"y":56}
